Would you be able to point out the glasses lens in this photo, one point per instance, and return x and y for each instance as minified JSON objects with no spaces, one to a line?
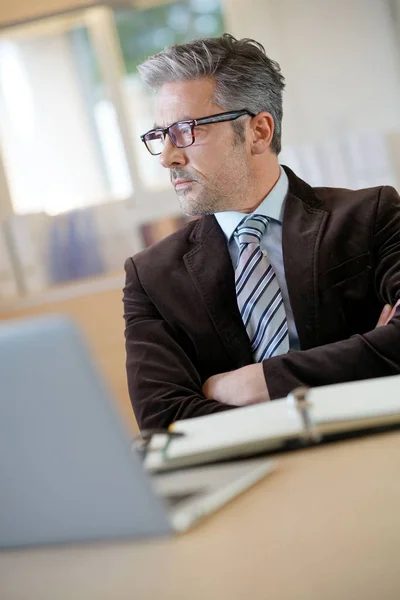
{"x":154,"y":141}
{"x":181,"y":134}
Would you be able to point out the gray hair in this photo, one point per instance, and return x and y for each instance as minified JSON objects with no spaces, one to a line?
{"x":245,"y":76}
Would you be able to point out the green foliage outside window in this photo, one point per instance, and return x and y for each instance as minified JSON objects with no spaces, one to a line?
{"x":143,"y":33}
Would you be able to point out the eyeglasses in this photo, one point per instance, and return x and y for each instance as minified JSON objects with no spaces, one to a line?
{"x":182,"y":133}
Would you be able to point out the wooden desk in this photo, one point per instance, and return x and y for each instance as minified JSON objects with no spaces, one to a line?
{"x":325,"y":525}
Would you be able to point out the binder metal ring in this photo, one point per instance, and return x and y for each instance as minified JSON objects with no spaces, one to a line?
{"x":298,"y":399}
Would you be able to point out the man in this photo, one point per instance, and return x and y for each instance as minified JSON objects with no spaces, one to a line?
{"x":277,"y":284}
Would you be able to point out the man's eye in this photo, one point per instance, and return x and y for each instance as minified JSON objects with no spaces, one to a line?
{"x":185,"y":129}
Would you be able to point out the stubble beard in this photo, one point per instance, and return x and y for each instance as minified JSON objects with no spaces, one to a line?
{"x":224,"y":193}
{"x":196,"y":203}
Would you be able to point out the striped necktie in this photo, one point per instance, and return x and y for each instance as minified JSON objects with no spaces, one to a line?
{"x":258,"y":293}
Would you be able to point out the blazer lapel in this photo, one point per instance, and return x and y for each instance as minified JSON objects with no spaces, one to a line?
{"x":210,"y":267}
{"x":303,"y":225}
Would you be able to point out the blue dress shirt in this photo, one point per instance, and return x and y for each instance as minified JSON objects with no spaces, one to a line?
{"x":272,"y":207}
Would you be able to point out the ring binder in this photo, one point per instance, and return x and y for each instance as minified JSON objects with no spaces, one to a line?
{"x":322,"y":415}
{"x":298,"y":399}
{"x":141,"y":443}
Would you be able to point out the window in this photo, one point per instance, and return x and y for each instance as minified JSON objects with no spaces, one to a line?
{"x":72,"y":108}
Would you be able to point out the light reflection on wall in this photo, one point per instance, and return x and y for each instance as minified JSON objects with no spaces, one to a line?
{"x":16,"y":91}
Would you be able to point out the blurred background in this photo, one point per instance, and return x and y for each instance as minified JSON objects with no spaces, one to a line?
{"x":79,"y":193}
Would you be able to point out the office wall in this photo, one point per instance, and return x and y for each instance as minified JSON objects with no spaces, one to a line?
{"x":341,"y":61}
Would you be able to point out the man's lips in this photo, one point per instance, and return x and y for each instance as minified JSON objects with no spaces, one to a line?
{"x":182,"y":183}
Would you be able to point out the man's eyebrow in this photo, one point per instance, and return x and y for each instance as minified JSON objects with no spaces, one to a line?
{"x":184,"y":118}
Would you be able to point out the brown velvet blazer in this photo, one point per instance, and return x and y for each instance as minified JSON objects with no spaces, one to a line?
{"x":341,"y":251}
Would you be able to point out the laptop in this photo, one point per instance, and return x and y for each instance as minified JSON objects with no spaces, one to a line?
{"x":68,"y":472}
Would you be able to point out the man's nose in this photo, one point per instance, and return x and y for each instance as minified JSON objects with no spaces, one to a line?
{"x":171,"y":156}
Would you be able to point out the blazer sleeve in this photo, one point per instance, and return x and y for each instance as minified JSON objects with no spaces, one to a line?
{"x":373,"y":354}
{"x":164,"y":384}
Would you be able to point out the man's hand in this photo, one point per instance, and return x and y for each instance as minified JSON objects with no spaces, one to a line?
{"x":386,"y":314}
{"x":238,"y":388}
{"x":247,"y":385}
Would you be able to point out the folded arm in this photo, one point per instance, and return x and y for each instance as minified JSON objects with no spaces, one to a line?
{"x":164,"y":385}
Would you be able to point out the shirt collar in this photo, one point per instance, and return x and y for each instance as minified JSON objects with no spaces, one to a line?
{"x":272,"y":206}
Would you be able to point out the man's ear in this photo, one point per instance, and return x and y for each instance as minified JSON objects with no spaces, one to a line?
{"x":262,"y":130}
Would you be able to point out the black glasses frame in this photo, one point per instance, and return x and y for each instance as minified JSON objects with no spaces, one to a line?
{"x":218,"y":118}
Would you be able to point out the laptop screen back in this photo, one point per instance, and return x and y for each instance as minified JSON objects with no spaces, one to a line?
{"x":67,"y":472}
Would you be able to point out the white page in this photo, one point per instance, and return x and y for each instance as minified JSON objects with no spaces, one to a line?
{"x":234,"y":428}
{"x":356,"y":400}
